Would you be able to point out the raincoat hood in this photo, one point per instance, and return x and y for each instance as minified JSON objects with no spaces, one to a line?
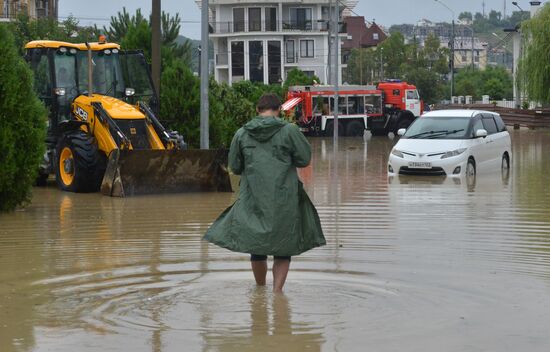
{"x":263,"y":128}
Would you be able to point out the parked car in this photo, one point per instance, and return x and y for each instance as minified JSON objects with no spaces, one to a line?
{"x":451,"y":143}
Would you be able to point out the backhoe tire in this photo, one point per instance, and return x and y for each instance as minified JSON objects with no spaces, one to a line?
{"x":79,"y":164}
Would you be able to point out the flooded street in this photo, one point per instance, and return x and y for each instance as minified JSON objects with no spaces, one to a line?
{"x":411,"y":264}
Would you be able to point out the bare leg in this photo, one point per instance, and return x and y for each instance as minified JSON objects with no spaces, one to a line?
{"x":259,"y":268}
{"x":280,"y":271}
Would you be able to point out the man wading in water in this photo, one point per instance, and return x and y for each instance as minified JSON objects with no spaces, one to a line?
{"x":273,"y":214}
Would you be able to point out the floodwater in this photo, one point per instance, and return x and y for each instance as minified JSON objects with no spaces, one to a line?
{"x":411,"y":264}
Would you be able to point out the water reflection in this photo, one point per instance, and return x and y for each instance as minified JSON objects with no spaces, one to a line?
{"x":270,"y":328}
{"x":415,"y":263}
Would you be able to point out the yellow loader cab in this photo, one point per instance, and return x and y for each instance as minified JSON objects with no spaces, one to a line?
{"x":103,"y":132}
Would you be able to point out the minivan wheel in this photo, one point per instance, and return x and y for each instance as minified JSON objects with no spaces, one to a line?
{"x":471,"y":168}
{"x":505,"y":162}
{"x":470,"y":173}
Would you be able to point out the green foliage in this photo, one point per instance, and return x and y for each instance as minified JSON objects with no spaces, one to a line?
{"x":296,"y":77}
{"x":534,"y":70}
{"x":134,"y":32}
{"x":22,"y":126}
{"x":493,"y":81}
{"x":26,"y":29}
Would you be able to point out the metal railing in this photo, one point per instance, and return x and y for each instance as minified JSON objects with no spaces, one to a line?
{"x":271,"y":26}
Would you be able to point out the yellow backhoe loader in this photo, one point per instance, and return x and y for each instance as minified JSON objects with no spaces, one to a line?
{"x":103,"y":133}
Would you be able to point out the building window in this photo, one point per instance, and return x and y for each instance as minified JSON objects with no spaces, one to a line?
{"x":375,"y":36}
{"x":271,"y":19}
{"x":300,"y":18}
{"x":464,"y":57}
{"x":274,"y":61}
{"x":238,"y":20}
{"x":310,"y":74}
{"x":290,"y":52}
{"x":307,"y":48}
{"x":254,"y":19}
{"x":256,"y":60}
{"x":237,"y":60}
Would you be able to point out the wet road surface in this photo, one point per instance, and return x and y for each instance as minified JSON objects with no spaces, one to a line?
{"x":411,"y":264}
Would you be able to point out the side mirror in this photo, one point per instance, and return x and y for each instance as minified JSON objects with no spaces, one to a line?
{"x":481,"y":133}
{"x":401,"y":131}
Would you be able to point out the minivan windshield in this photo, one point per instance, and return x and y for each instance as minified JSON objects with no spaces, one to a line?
{"x":439,"y":127}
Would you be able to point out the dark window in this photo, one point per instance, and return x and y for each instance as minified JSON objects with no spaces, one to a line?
{"x":290,"y":53}
{"x":306,"y":48}
{"x":270,"y":19}
{"x":274,"y":61}
{"x":254,"y":19}
{"x":237,"y":59}
{"x":310,"y":74}
{"x":489,"y":124}
{"x":478,"y":125}
{"x":373,"y":104}
{"x":300,"y":18}
{"x":238,"y":20}
{"x":256,"y":61}
{"x":356,"y":105}
{"x":501,"y":127}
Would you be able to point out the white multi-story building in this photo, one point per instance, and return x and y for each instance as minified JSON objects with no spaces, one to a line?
{"x":263,"y":41}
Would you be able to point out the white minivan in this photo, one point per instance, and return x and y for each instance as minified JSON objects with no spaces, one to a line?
{"x":451,"y":143}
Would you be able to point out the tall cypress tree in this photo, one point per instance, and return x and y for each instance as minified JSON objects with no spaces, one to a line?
{"x":22,"y":126}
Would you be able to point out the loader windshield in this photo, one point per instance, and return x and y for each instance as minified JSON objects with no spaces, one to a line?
{"x":107,"y":73}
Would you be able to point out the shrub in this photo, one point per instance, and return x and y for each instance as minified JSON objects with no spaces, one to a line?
{"x":22,"y":126}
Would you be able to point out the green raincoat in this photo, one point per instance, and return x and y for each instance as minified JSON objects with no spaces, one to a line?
{"x":273,"y":215}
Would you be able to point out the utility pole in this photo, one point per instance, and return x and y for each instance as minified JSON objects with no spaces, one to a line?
{"x":453,"y":59}
{"x":452,"y":46}
{"x":473,"y":62}
{"x":204,"y":125}
{"x":155,"y":48}
{"x":335,"y":67}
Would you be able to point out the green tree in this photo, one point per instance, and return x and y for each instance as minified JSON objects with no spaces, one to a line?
{"x":394,"y":54}
{"x":22,"y":126}
{"x":134,"y":32}
{"x":26,"y":29}
{"x":466,"y":15}
{"x":534,"y":70}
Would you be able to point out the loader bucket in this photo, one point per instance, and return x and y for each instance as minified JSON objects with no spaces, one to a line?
{"x":134,"y":172}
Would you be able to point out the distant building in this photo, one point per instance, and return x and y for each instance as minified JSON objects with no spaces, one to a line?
{"x":9,"y":9}
{"x":263,"y":41}
{"x":463,"y":41}
{"x":463,"y":52}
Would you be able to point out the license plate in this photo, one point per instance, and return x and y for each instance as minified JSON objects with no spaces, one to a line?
{"x":420,"y":165}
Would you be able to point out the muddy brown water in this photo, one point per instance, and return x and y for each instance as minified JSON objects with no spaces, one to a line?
{"x":411,"y":264}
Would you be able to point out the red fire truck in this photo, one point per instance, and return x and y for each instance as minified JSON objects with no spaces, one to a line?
{"x":383,"y":108}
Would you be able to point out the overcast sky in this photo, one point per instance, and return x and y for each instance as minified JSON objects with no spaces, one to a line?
{"x":386,"y":12}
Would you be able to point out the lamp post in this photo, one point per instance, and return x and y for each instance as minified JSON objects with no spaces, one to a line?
{"x":204,"y":124}
{"x":452,"y":58}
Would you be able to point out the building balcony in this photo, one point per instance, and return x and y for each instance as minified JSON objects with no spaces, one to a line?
{"x":269,"y":26}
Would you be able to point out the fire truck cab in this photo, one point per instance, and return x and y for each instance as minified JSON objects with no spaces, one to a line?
{"x":381,"y":109}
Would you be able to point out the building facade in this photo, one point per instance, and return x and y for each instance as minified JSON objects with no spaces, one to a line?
{"x":10,"y":9}
{"x":263,"y":41}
